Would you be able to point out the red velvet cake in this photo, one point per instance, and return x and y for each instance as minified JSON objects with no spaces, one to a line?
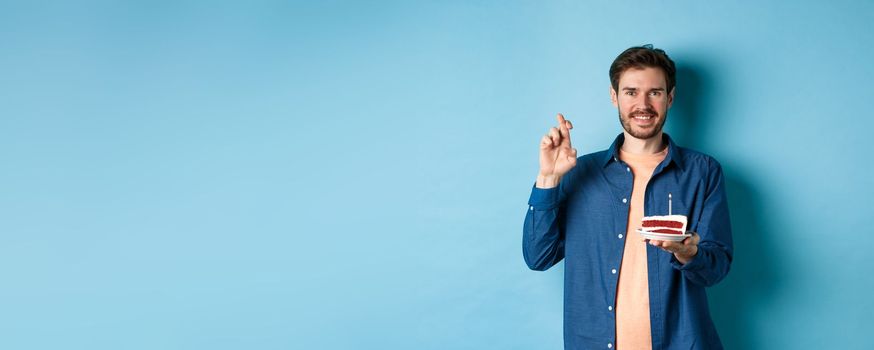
{"x":667,"y":224}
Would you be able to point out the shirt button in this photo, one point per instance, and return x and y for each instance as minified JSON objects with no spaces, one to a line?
{"x":624,"y":200}
{"x":610,"y":308}
{"x":620,"y":236}
{"x":628,"y":169}
{"x":609,"y":345}
{"x":613,"y":271}
{"x":531,"y":208}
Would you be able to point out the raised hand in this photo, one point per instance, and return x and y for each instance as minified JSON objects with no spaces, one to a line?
{"x":557,"y":157}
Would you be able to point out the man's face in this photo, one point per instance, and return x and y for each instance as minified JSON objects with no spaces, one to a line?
{"x":642,"y":101}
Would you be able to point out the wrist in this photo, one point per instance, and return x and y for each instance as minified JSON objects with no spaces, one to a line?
{"x":685,"y":258}
{"x":548,"y":181}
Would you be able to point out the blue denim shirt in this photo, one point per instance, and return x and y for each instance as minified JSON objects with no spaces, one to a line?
{"x":584,"y":221}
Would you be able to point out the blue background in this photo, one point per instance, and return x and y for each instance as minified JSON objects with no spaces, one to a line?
{"x":354,"y":175}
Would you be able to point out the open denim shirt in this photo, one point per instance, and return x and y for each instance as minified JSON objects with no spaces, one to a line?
{"x":584,"y":221}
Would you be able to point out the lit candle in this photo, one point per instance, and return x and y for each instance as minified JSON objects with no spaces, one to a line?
{"x":669,"y":203}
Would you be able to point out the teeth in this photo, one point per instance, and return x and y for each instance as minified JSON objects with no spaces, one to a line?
{"x":643,"y":117}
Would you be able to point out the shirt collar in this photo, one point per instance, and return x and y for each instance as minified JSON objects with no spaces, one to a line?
{"x":673,"y":155}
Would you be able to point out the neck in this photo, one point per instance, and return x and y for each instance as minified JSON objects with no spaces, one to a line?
{"x":635,"y":145}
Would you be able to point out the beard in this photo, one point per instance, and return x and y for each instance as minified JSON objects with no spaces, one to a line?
{"x":643,"y":133}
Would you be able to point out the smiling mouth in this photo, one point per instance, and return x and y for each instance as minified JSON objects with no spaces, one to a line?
{"x":643,"y":117}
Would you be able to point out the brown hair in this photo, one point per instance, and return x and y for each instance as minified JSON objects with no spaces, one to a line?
{"x":640,"y":57}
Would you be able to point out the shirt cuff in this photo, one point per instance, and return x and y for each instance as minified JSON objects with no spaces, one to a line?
{"x":695,"y":264}
{"x":543,"y":198}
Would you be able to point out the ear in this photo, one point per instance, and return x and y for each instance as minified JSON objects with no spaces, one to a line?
{"x":613,"y":97}
{"x":671,"y":96}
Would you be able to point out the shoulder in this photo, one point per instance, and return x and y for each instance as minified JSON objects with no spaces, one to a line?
{"x":700,"y":164}
{"x":595,"y":156}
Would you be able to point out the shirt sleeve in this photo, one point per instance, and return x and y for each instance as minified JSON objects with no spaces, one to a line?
{"x":543,"y":230}
{"x":715,"y":249}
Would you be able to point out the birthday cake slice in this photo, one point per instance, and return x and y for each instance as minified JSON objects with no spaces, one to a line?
{"x":666,"y":224}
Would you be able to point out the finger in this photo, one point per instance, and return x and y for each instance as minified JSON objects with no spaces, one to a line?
{"x":668,"y":246}
{"x":569,"y":125}
{"x":560,"y":119}
{"x":672,"y":246}
{"x":562,"y":126}
{"x":693,"y":239}
{"x":546,"y":142}
{"x":555,"y":136}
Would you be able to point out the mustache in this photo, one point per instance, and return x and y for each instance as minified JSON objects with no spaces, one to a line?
{"x":640,"y":112}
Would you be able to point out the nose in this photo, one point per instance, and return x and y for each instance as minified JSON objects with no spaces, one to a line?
{"x":647,"y":101}
{"x":643,"y":102}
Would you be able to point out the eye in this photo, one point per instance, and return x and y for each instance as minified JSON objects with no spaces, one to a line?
{"x":629,"y":92}
{"x":655,"y":93}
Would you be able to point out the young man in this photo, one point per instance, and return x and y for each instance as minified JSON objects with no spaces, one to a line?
{"x":622,"y":291}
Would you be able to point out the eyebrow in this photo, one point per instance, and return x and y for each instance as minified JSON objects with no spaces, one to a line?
{"x":635,"y":89}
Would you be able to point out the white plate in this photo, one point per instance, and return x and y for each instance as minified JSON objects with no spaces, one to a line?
{"x":662,"y":236}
